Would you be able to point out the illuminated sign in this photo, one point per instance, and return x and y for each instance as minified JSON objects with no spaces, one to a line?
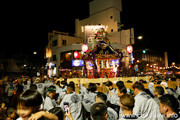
{"x":77,"y":63}
{"x":48,"y":52}
{"x":84,"y":48}
{"x":129,"y":49}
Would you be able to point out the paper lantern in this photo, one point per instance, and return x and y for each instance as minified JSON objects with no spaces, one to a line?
{"x":84,"y":48}
{"x":129,"y":49}
{"x":76,"y":54}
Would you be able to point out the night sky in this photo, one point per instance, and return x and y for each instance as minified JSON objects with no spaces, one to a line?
{"x":156,"y":20}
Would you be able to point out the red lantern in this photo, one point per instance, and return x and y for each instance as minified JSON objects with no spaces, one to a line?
{"x":84,"y":48}
{"x":76,"y":54}
{"x":129,"y":49}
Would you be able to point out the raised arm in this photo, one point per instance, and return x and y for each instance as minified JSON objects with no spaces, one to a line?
{"x":45,"y":114}
{"x":165,"y":91}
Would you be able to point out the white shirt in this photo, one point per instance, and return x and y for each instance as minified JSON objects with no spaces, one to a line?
{"x":146,"y":107}
{"x":88,"y":100}
{"x":49,"y":103}
{"x":61,"y":93}
{"x":75,"y":104}
{"x":112,"y":114}
{"x":26,"y":87}
{"x":114,"y":92}
{"x":164,"y":83}
{"x":151,"y":88}
{"x":40,"y":88}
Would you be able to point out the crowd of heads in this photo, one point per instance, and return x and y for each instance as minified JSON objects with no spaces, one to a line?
{"x":57,"y":99}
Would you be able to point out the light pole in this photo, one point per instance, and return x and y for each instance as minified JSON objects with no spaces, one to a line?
{"x":42,"y":66}
{"x":33,"y":63}
{"x":173,"y":66}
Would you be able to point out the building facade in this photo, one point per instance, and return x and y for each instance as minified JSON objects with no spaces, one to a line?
{"x":155,"y":60}
{"x":59,"y":50}
{"x":104,"y":14}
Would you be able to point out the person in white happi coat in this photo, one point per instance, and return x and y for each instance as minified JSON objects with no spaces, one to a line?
{"x":75,"y":102}
{"x":168,"y":106}
{"x":127,"y":105}
{"x":49,"y":101}
{"x":40,"y":87}
{"x":145,"y":106}
{"x":25,"y":85}
{"x":151,"y":87}
{"x":102,"y":98}
{"x":158,"y":92}
{"x":99,"y":111}
{"x":60,"y":92}
{"x":111,"y":91}
{"x":90,"y":97}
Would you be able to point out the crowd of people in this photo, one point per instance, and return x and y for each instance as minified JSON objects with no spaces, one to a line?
{"x":56,"y":99}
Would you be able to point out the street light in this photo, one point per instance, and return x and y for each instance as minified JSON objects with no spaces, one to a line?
{"x":34,"y":53}
{"x":140,"y":37}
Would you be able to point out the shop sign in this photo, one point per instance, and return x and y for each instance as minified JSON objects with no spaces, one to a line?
{"x":77,"y":63}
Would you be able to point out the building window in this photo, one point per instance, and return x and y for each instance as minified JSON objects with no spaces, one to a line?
{"x":63,"y":42}
{"x":54,"y":57}
{"x":111,"y":30}
{"x":54,"y":43}
{"x":66,"y":57}
{"x":111,"y":17}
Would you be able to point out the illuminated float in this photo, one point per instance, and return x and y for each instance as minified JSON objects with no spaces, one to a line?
{"x":101,"y":59}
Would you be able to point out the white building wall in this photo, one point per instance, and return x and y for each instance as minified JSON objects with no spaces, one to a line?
{"x":116,"y":15}
{"x":69,"y":40}
{"x":118,"y":46}
{"x":99,"y":5}
{"x":104,"y":18}
{"x":115,"y":37}
{"x":125,"y":37}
